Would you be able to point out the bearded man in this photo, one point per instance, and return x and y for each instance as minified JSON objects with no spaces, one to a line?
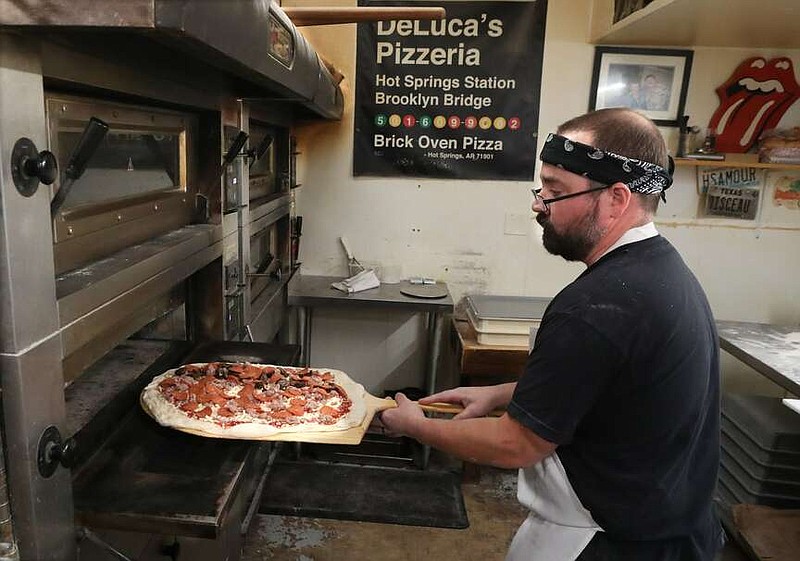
{"x":614,"y":425}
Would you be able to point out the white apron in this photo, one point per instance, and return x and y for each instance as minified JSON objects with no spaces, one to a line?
{"x":558,"y":527}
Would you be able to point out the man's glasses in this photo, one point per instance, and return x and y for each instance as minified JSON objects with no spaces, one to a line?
{"x":547,"y":202}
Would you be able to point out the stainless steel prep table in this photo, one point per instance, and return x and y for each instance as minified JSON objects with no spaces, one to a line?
{"x":309,"y":292}
{"x":772,"y":350}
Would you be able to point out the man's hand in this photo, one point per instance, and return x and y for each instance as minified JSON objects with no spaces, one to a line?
{"x":403,"y":419}
{"x":476,"y":401}
{"x":498,"y":441}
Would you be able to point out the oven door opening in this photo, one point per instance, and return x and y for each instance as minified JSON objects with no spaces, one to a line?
{"x":134,"y":480}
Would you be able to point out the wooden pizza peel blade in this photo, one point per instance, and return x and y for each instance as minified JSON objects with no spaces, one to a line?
{"x":353,"y":435}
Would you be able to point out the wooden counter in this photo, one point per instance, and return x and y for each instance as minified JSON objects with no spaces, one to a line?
{"x":483,"y":365}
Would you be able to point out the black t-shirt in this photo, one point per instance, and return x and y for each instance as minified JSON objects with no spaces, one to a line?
{"x":624,"y":377}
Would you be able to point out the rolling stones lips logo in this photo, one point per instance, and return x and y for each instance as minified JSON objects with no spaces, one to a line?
{"x":753,"y":100}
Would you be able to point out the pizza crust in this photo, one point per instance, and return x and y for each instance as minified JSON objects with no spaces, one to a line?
{"x":170,"y":416}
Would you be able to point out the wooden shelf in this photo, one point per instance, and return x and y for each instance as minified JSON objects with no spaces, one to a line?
{"x":711,"y":23}
{"x":734,"y":161}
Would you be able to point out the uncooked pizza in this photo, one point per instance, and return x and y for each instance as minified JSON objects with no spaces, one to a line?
{"x":243,"y":400}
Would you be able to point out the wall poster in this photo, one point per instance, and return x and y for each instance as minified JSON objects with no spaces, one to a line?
{"x":731,"y":192}
{"x":787,"y":191}
{"x":453,"y":98}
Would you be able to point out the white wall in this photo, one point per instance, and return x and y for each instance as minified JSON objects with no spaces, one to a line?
{"x":455,"y":230}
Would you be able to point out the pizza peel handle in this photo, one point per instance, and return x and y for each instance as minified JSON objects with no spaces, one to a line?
{"x":455,"y":409}
{"x":448,"y":408}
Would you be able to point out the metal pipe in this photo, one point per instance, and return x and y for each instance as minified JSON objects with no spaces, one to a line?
{"x":86,"y":533}
{"x":302,"y":16}
{"x":8,"y":544}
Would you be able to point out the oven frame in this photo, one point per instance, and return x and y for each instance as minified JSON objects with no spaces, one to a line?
{"x":58,"y":324}
{"x":55,"y":324}
{"x":32,"y":379}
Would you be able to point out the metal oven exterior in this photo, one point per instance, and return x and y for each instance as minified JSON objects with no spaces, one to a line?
{"x":202,"y":256}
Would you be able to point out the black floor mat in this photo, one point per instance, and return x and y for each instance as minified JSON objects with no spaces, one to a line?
{"x":365,"y":493}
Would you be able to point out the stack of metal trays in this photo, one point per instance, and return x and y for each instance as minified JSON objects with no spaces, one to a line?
{"x":505,"y":320}
{"x":760,"y":455}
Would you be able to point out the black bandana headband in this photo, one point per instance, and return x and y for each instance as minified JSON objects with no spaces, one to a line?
{"x":605,"y":167}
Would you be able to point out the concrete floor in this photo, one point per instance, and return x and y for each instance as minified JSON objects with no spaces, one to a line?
{"x":493,"y":511}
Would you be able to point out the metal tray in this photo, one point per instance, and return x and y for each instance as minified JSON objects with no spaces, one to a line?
{"x":758,"y":469}
{"x":765,"y":420}
{"x":755,"y":487}
{"x":734,"y":489}
{"x":513,"y":315}
{"x":754,"y":449}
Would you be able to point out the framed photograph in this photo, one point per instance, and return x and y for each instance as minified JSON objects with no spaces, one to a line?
{"x":652,"y":81}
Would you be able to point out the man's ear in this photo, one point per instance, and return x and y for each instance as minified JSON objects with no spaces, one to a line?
{"x":620,"y":198}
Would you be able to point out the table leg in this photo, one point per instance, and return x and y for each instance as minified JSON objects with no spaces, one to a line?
{"x":434,"y":350}
{"x":304,"y":317}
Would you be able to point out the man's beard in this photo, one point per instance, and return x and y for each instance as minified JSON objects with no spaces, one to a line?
{"x":577,"y":242}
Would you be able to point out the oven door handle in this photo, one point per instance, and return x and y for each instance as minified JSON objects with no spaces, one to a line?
{"x":91,"y":138}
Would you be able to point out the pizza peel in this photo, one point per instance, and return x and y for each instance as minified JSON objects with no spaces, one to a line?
{"x":353,"y":435}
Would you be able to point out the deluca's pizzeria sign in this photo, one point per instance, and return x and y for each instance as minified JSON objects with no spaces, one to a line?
{"x":453,"y":98}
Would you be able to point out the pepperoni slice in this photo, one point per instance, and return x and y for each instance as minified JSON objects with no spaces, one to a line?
{"x":296,"y":410}
{"x":328,"y":411}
